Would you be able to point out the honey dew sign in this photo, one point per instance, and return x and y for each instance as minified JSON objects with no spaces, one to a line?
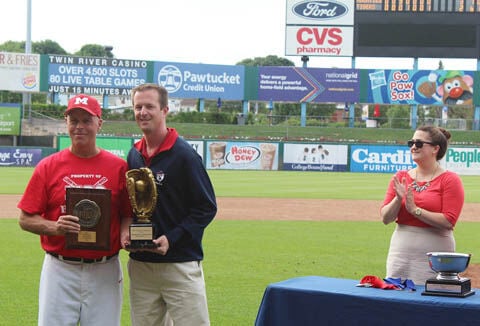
{"x":242,"y":156}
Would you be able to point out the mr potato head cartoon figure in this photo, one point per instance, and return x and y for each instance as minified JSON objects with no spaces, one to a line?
{"x":455,"y":88}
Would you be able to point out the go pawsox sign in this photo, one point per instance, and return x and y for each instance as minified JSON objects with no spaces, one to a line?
{"x":462,"y":160}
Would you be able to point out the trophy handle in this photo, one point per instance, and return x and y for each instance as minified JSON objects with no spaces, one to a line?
{"x":131,"y":192}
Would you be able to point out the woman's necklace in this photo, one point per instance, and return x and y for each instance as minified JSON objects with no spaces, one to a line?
{"x":418,"y":188}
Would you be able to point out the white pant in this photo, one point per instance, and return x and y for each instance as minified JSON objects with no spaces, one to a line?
{"x":80,"y":294}
{"x":167,"y":294}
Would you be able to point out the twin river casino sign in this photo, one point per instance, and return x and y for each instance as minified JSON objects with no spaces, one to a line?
{"x":98,"y":76}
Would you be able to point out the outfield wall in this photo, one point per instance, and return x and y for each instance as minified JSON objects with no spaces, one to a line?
{"x":287,"y":156}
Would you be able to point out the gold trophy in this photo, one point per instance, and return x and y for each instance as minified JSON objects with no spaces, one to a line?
{"x":142,"y":192}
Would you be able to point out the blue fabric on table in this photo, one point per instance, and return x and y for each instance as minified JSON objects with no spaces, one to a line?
{"x":406,"y":284}
{"x":315,"y":300}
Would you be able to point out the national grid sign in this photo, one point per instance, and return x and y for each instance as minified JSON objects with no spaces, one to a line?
{"x":308,"y":85}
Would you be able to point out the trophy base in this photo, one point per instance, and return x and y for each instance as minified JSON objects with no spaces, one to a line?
{"x":460,"y":288}
{"x":141,"y":236}
{"x":141,"y":244}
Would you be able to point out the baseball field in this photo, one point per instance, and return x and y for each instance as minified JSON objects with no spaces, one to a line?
{"x":270,"y":226}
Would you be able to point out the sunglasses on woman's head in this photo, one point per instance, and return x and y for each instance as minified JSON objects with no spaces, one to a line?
{"x":418,"y":143}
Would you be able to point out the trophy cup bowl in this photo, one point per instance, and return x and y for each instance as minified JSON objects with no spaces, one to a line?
{"x":448,"y":282}
{"x":448,"y":264}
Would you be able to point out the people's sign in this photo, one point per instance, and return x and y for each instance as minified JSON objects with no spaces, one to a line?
{"x":294,"y":84}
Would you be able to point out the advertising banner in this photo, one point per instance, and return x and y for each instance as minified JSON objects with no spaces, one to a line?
{"x":331,"y":12}
{"x":294,"y":84}
{"x":197,"y":145}
{"x":10,"y":119}
{"x":20,"y":72}
{"x":315,"y":157}
{"x":186,"y":80}
{"x":380,"y":158}
{"x":427,"y":87}
{"x":115,"y":145}
{"x":462,"y":160}
{"x":95,"y":75}
{"x":241,"y":155}
{"x":332,"y":41}
{"x":319,"y":28}
{"x":13,"y":156}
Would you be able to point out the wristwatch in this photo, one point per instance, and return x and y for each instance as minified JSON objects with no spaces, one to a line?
{"x":418,"y":212}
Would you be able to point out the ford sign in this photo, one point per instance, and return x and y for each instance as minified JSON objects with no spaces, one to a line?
{"x":320,"y":10}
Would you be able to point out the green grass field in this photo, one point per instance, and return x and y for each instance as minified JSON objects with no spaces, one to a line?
{"x":276,"y":184}
{"x":242,"y":257}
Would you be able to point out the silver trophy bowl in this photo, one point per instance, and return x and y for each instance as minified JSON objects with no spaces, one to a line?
{"x":448,"y":264}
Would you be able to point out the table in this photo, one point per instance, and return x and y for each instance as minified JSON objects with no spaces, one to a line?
{"x":315,"y":300}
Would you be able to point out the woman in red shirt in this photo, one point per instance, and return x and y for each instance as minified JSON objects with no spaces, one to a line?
{"x":425,"y":202}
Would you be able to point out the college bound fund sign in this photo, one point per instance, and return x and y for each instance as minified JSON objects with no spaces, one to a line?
{"x":92,"y":207}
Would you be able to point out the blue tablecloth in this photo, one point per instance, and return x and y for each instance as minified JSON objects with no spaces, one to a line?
{"x":314,"y":300}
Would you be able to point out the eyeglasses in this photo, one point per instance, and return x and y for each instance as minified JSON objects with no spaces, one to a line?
{"x":418,"y":143}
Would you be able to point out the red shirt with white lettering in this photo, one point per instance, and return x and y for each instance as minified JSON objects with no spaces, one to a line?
{"x":46,"y":191}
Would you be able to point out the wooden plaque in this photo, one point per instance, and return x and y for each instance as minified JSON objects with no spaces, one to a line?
{"x":92,"y":206}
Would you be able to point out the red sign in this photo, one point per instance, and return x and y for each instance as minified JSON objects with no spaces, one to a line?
{"x":319,"y":41}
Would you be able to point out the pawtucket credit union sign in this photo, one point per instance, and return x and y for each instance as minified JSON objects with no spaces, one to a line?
{"x":319,"y":28}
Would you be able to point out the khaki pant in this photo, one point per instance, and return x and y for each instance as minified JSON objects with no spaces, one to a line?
{"x":167,"y":294}
{"x":407,"y":256}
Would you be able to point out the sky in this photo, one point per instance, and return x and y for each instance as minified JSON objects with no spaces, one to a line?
{"x":221,"y":32}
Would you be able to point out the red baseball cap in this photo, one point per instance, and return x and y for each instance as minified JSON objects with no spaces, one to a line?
{"x":84,"y":102}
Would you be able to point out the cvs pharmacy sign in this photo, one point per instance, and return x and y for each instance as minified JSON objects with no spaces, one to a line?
{"x":319,"y":40}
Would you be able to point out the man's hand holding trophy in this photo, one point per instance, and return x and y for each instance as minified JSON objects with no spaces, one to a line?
{"x":142,"y":192}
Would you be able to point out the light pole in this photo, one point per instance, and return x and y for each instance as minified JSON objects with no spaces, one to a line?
{"x":303,"y":105}
{"x":27,"y":97}
{"x":108,"y":53}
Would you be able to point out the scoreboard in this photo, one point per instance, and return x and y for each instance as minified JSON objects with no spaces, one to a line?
{"x":418,"y":5}
{"x":417,"y":28}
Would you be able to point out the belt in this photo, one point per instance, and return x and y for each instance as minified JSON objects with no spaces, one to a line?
{"x":81,"y":260}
